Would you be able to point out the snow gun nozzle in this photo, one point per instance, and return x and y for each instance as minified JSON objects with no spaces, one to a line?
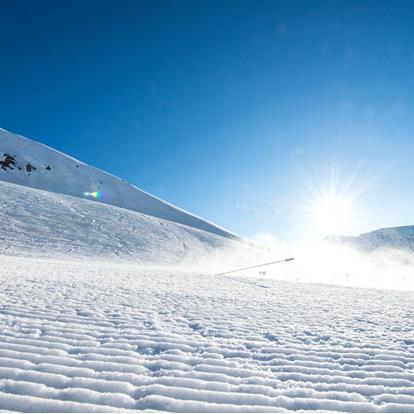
{"x":290,"y":259}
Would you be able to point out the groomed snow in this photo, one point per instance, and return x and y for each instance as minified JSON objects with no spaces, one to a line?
{"x":78,"y":336}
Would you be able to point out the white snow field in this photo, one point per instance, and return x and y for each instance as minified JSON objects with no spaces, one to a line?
{"x":79,"y":336}
{"x":41,"y":223}
{"x":112,"y":306}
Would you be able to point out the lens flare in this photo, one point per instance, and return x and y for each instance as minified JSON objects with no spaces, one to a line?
{"x":95,"y":194}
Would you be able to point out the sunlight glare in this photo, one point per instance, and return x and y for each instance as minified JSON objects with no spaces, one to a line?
{"x":332,"y":215}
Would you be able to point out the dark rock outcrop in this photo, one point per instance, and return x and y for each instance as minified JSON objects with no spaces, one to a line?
{"x":8,"y":163}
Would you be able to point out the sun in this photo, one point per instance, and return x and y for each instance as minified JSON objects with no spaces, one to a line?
{"x":333,"y":205}
{"x":332,"y":214}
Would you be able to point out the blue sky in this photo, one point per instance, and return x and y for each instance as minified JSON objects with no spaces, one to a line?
{"x":229,"y":109}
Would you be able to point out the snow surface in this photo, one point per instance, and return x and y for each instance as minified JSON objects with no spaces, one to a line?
{"x":60,"y":173}
{"x":114,"y":306}
{"x":98,"y":337}
{"x":41,"y":223}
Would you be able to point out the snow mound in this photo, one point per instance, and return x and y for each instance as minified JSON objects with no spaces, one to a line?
{"x":401,"y":238}
{"x":88,"y":337}
{"x":29,"y":163}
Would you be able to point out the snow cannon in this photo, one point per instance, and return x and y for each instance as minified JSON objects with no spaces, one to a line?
{"x":256,"y":266}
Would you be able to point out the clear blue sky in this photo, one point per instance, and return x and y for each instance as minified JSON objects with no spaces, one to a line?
{"x":224,"y":108}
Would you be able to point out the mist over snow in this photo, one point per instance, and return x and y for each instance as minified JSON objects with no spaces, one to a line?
{"x":62,"y":207}
{"x":340,"y":264}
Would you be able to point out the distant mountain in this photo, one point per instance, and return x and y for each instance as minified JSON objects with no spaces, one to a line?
{"x":29,"y":163}
{"x":392,"y":237}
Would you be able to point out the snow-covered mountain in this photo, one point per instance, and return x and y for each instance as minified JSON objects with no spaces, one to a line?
{"x":29,"y":163}
{"x":392,"y":237}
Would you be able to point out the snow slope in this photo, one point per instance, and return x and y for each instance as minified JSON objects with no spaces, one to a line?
{"x":40,"y":223}
{"x":29,"y":163}
{"x":85,"y":337}
{"x":103,"y":308}
{"x":387,"y":238}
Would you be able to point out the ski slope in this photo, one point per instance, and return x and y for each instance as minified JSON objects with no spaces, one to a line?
{"x":29,"y":163}
{"x":41,"y":223}
{"x":112,"y":304}
{"x":87,"y":337}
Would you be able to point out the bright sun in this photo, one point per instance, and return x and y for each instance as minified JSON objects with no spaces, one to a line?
{"x":334,"y":205}
{"x":332,"y":215}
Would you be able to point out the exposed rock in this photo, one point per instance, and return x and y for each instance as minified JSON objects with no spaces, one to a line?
{"x":30,"y":168}
{"x":8,"y":162}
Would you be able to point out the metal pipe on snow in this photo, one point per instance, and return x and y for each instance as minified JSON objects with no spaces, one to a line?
{"x":256,"y":266}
